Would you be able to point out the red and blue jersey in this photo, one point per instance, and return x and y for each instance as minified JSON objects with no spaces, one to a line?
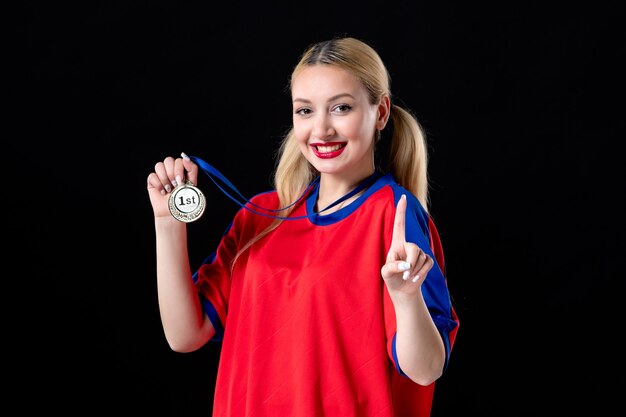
{"x":307,"y":326}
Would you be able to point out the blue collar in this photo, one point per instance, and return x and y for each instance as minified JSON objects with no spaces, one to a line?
{"x":371,"y":184}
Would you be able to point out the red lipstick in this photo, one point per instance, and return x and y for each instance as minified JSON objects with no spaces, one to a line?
{"x":331,"y":154}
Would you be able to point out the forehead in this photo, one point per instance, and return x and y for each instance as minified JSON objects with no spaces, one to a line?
{"x":325,"y":80}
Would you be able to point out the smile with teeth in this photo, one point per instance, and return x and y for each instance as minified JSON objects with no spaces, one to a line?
{"x":327,"y":149}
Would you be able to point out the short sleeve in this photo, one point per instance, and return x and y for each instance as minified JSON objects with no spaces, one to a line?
{"x":421,"y":230}
{"x":213,"y":281}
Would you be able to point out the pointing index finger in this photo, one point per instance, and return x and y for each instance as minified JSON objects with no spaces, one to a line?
{"x":399,"y":220}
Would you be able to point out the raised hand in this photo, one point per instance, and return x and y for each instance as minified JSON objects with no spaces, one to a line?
{"x":166,"y":176}
{"x":406,"y":265}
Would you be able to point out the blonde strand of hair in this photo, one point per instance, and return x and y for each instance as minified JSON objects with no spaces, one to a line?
{"x":409,"y":155}
{"x":293,"y":174}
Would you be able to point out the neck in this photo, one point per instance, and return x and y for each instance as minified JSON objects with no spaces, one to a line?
{"x":333,"y":188}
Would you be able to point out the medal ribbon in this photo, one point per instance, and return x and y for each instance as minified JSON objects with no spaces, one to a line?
{"x":216,"y":175}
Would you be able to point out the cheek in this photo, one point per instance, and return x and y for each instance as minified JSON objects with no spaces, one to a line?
{"x":355,"y":130}
{"x":367,"y":128}
{"x":357,"y":124}
{"x":300,"y":132}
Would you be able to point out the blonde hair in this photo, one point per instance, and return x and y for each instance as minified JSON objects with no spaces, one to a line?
{"x":407,"y":153}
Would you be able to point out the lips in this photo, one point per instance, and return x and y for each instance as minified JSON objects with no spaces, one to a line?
{"x":328,"y":150}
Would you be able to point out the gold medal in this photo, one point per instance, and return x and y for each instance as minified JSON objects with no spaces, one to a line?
{"x":187,"y":203}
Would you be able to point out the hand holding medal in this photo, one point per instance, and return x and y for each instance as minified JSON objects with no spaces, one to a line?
{"x":174,"y":178}
{"x":186,"y":202}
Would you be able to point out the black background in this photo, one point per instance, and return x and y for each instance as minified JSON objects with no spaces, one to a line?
{"x":522,"y":105}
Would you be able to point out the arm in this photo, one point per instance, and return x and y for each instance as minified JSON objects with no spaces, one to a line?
{"x":420,"y":349}
{"x":186,"y":326}
{"x":419,"y":346}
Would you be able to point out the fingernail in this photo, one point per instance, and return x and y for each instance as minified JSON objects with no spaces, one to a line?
{"x":185,"y":157}
{"x":179,"y":179}
{"x":403,"y":196}
{"x":403,"y":266}
{"x":163,"y":192}
{"x":416,"y":278}
{"x":405,"y":275}
{"x":167,"y":188}
{"x":174,"y":183}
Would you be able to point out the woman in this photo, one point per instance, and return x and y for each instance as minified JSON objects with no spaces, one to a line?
{"x":338,"y":305}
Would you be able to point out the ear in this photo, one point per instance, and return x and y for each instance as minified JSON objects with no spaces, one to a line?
{"x":384,"y":111}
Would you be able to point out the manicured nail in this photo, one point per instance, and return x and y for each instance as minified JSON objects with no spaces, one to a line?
{"x":185,"y":157}
{"x":405,"y":275}
{"x":163,"y":192}
{"x":167,"y":188}
{"x":179,"y":179}
{"x":403,"y":266}
{"x":416,"y":278}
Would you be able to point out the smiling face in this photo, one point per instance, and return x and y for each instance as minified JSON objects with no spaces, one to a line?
{"x":334,"y":122}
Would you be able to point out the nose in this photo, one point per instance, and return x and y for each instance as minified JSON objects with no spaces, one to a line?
{"x":322,"y":127}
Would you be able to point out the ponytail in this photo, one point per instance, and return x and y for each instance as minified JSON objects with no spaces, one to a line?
{"x":408,"y":155}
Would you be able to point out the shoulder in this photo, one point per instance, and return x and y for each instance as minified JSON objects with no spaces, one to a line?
{"x":256,"y":213}
{"x":262,"y":203}
{"x":395,"y":191}
{"x":267,"y":199}
{"x":416,"y":214}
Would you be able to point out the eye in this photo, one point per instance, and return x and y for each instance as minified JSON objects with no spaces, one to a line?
{"x":342,"y":108}
{"x":303,"y":111}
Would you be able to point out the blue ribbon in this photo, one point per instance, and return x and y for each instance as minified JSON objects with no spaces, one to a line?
{"x":213,"y":173}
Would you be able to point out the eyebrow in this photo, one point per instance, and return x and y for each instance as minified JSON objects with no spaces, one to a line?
{"x":333,"y":98}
